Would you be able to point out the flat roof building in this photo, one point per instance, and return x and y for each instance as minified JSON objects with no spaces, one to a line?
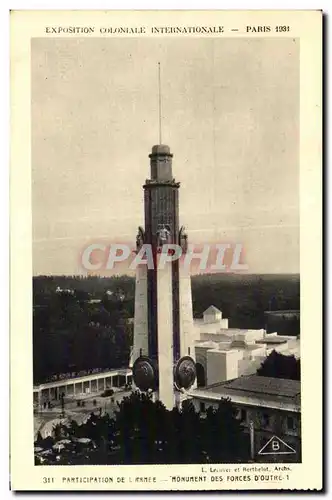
{"x":271,"y":406}
{"x":224,"y":353}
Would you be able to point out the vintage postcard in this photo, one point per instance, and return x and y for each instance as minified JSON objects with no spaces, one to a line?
{"x":166,"y":239}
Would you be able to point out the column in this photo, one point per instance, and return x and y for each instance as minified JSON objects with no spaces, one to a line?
{"x":141,"y":315}
{"x":165,"y":334}
{"x":186,"y":312}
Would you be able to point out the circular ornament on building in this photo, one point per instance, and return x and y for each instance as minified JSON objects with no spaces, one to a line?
{"x":184,"y":373}
{"x":144,"y":373}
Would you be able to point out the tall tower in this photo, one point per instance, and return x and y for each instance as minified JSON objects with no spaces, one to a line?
{"x":163,"y":306}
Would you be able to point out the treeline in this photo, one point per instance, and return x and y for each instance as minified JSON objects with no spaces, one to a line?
{"x":90,"y":287}
{"x":243,"y":299}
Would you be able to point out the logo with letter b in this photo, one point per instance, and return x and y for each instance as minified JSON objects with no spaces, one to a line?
{"x":276,"y":446}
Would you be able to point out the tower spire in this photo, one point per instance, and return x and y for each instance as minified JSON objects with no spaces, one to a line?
{"x":159,"y":88}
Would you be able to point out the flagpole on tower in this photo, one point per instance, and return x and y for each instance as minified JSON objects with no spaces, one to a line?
{"x":159,"y":88}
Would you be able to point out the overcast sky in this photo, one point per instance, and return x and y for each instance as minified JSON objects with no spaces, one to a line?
{"x":230,"y":113}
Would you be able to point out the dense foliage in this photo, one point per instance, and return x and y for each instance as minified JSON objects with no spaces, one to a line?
{"x":145,"y":432}
{"x":280,"y":366}
{"x":74,"y":334}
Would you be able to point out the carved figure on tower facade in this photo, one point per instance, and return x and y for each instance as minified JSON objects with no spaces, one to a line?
{"x":139,"y":238}
{"x":163,"y":235}
{"x":183,"y":239}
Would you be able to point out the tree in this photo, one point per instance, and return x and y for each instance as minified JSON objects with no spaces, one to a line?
{"x":138,"y":428}
{"x":184,"y":440}
{"x":280,"y":366}
{"x":224,"y":439}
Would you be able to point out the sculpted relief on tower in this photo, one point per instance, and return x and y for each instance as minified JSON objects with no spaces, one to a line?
{"x":183,"y":239}
{"x":163,"y":235}
{"x":140,"y":238}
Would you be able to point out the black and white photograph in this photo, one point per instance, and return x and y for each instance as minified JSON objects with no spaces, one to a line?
{"x":167,"y":253}
{"x":140,"y":147}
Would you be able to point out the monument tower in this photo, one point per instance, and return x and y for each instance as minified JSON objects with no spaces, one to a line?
{"x":163,"y":323}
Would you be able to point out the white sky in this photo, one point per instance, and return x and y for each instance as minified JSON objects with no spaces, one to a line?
{"x":230,"y":116}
